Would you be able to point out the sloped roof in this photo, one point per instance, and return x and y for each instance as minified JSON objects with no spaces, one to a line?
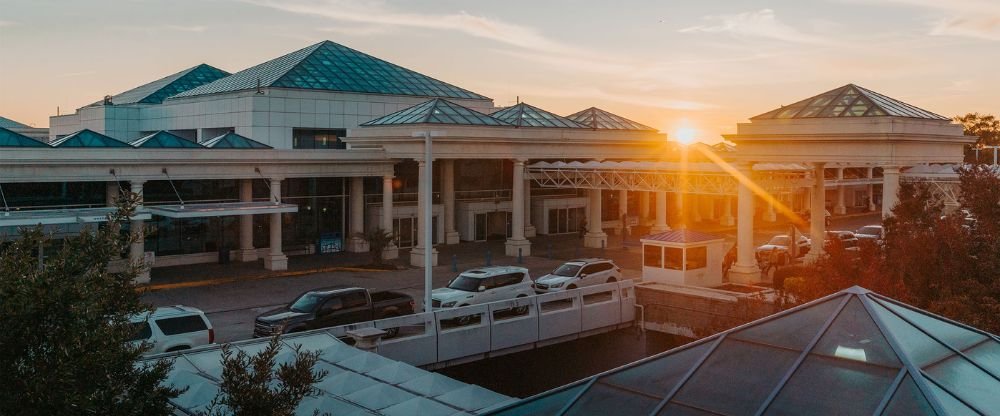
{"x":234,"y":141}
{"x":11,"y":124}
{"x":164,"y":139}
{"x":848,"y":101}
{"x":12,"y":139}
{"x":596,"y":118}
{"x":525,"y":115}
{"x":333,"y":67}
{"x":436,"y":111}
{"x":157,"y":91}
{"x":853,"y":352}
{"x":88,"y":138}
{"x":683,"y":236}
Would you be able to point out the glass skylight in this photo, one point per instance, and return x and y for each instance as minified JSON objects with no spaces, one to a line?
{"x":596,"y":118}
{"x":436,"y":111}
{"x":12,"y":139}
{"x":157,"y":91}
{"x":88,"y":138}
{"x":524,"y":115}
{"x":234,"y":141}
{"x":164,"y":139}
{"x":848,"y":101}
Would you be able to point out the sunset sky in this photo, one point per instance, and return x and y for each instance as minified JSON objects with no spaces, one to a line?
{"x":702,"y":65}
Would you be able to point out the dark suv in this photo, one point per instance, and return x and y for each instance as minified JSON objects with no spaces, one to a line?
{"x":333,"y":306}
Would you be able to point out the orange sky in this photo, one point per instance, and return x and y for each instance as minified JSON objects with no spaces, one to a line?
{"x":702,"y":65}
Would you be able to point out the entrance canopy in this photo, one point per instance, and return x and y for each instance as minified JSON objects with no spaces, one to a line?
{"x":60,"y":216}
{"x":222,"y":209}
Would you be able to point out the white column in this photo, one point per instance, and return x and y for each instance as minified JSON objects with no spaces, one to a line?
{"x":247,"y":251}
{"x":390,"y":252}
{"x":682,"y":217}
{"x":660,"y":225}
{"x":871,"y":191}
{"x":529,"y":228}
{"x":595,"y":237}
{"x":137,"y":250}
{"x":695,"y":208}
{"x":424,"y":196}
{"x":840,"y":208}
{"x":643,"y":207}
{"x":770,"y":215}
{"x":623,"y":209}
{"x":817,"y":214}
{"x":276,"y":259}
{"x":710,"y":208}
{"x":111,"y":192}
{"x":448,"y":199}
{"x":890,"y":189}
{"x":357,"y":242}
{"x":727,"y":212}
{"x":745,"y":270}
{"x":517,"y":242}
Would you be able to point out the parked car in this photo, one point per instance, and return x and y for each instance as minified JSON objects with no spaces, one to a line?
{"x":483,"y":285}
{"x":172,"y":328}
{"x":782,"y":242}
{"x":333,"y":306}
{"x":870,"y":232}
{"x":847,"y":239}
{"x":807,"y":215}
{"x":578,"y":273}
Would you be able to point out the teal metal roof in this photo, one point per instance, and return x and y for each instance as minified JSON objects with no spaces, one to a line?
{"x":436,"y":111}
{"x":88,"y":138}
{"x":164,"y":139}
{"x":853,"y":352}
{"x":596,"y":118}
{"x":11,"y":124}
{"x":157,"y":91}
{"x":333,"y":67}
{"x":848,"y":101}
{"x":12,"y":139}
{"x":524,"y":115}
{"x":234,"y":141}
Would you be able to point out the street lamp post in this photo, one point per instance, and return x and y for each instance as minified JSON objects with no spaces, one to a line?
{"x":427,"y":213}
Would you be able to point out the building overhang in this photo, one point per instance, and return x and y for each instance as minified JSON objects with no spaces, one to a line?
{"x":223,"y":209}
{"x":27,"y":218}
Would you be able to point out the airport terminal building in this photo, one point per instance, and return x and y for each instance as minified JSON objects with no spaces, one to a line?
{"x":299,"y":154}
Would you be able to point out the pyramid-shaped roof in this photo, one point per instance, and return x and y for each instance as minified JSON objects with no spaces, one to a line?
{"x":12,"y":139}
{"x":333,"y":67}
{"x":848,"y":101}
{"x":164,"y":139}
{"x":436,"y":111}
{"x":88,"y":138}
{"x":11,"y":124}
{"x":683,"y":236}
{"x":525,"y":115}
{"x":157,"y":91}
{"x":234,"y":141}
{"x":596,"y":118}
{"x":853,"y":352}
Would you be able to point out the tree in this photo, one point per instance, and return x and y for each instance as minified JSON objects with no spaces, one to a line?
{"x":256,"y":385}
{"x":984,"y":126}
{"x":378,"y":240}
{"x":65,"y":329}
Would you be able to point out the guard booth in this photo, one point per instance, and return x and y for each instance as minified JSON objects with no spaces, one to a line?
{"x":683,"y":257}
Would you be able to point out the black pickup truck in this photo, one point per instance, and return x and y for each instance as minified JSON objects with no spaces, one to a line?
{"x":333,"y":306}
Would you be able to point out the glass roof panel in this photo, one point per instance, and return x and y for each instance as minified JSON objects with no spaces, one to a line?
{"x":157,"y":91}
{"x":714,"y":387}
{"x":794,"y":330}
{"x":232,"y":140}
{"x":659,"y":376}
{"x":676,"y":409}
{"x":951,"y":334}
{"x":605,"y":399}
{"x":548,"y":404}
{"x":164,"y":139}
{"x":987,"y":355}
{"x":831,"y":386}
{"x":949,"y":403}
{"x":836,"y":101}
{"x":854,"y":336}
{"x":966,"y":381}
{"x":436,"y":111}
{"x":7,"y":123}
{"x":88,"y":138}
{"x":908,"y":400}
{"x":596,"y":118}
{"x":921,"y":348}
{"x":524,"y":115}
{"x":12,"y":139}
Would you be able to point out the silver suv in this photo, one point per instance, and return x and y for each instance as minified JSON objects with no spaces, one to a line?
{"x":172,"y":328}
{"x":577,"y":273}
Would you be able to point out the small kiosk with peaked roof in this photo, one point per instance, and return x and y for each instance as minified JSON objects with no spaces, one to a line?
{"x":683,"y":257}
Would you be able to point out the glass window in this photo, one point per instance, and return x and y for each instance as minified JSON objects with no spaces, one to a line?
{"x":318,"y":138}
{"x":141,"y":331}
{"x":333,"y":304}
{"x":181,"y":325}
{"x":697,"y":258}
{"x":465,"y":283}
{"x":673,"y":258}
{"x":652,"y":256}
{"x":831,"y":386}
{"x":306,"y":303}
{"x":355,"y":299}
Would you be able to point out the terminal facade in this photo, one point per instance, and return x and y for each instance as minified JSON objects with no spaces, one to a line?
{"x":300,"y":154}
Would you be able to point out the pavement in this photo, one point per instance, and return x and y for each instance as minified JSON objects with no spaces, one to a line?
{"x":232,"y":295}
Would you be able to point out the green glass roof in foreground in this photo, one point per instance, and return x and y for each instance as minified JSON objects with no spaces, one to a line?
{"x":853,"y":352}
{"x":524,"y":115}
{"x":164,"y":139}
{"x":333,"y":67}
{"x":157,"y":91}
{"x":88,"y":138}
{"x":436,"y":111}
{"x":11,"y":124}
{"x":596,"y":118}
{"x":849,"y":101}
{"x":12,"y":139}
{"x":234,"y":141}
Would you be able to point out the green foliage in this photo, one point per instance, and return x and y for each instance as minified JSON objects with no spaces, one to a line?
{"x":64,"y":346}
{"x":984,"y":126}
{"x":378,"y":240}
{"x":257,"y":385}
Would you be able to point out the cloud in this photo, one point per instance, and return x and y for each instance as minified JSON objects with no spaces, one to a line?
{"x":152,"y":29}
{"x":75,"y":74}
{"x":757,"y":24}
{"x":962,"y":18}
{"x":982,"y":27}
{"x":7,"y":23}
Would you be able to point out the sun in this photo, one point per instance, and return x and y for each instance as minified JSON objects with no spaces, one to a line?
{"x":686,"y":135}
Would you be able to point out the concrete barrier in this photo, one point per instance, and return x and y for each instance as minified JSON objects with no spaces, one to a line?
{"x":416,"y":342}
{"x":457,"y":339}
{"x":512,"y":328}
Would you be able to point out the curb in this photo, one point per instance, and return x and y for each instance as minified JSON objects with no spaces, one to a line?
{"x":224,"y":280}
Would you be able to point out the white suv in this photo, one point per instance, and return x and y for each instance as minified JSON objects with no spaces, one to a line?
{"x":483,"y":285}
{"x":172,"y":328}
{"x":577,"y":273}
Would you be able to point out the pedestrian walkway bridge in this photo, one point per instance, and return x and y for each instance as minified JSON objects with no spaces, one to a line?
{"x":450,"y":337}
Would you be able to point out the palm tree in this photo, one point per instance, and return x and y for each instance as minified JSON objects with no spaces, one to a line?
{"x":378,"y":239}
